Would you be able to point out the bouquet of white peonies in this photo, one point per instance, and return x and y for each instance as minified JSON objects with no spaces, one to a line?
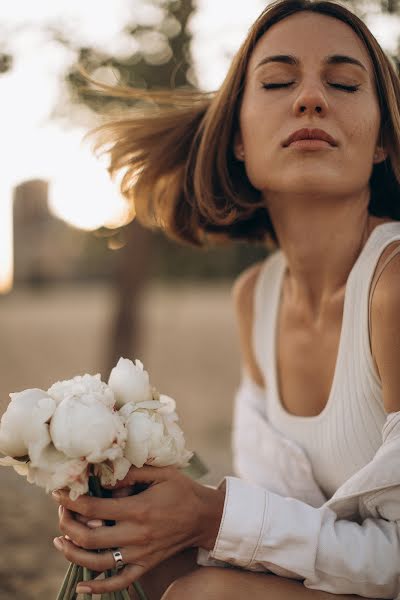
{"x":82,"y":433}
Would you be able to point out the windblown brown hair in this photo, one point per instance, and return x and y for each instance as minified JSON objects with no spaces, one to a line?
{"x":176,"y":155}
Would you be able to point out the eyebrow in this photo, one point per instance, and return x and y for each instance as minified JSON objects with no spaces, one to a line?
{"x":334,"y":59}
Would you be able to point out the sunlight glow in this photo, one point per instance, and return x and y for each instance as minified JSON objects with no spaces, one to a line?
{"x":80,"y":190}
{"x":83,"y":193}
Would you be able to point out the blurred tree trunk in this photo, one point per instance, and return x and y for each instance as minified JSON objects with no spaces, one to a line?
{"x":134,"y":259}
{"x":129,"y":281}
{"x":144,"y":71}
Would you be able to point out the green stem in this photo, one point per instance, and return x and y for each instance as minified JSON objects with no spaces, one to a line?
{"x":70,"y":589}
{"x":96,"y":490}
{"x":60,"y":595}
{"x":87,"y":576}
{"x":139,"y":591}
{"x":78,"y":579}
{"x":95,"y":487}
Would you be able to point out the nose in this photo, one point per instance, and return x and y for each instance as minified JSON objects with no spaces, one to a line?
{"x":310,"y":99}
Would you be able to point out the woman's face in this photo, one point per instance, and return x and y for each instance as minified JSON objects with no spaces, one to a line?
{"x":307,"y":72}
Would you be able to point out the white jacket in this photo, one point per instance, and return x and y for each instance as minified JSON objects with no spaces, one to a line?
{"x":276,"y":519}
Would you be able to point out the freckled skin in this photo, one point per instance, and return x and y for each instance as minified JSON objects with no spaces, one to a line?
{"x":317,"y":196}
{"x":267,"y":117}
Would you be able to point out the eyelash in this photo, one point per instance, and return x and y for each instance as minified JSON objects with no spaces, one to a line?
{"x":346,"y":88}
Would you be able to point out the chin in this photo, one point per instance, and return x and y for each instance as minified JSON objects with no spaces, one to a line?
{"x":311,"y":182}
{"x":302,"y":187}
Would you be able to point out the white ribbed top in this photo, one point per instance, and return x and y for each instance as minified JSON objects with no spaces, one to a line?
{"x":346,"y":434}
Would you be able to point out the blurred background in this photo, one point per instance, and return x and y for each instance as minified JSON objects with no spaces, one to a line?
{"x":80,"y":285}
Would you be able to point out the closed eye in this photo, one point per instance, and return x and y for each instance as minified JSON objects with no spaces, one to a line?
{"x":340,"y":86}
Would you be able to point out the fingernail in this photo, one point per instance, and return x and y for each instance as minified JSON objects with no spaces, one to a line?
{"x":58,"y":543}
{"x":95,"y":523}
{"x":83,"y":589}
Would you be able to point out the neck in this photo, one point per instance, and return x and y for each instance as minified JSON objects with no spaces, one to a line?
{"x":321,"y":240}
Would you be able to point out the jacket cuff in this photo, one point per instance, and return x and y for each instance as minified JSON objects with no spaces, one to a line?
{"x":243,"y":522}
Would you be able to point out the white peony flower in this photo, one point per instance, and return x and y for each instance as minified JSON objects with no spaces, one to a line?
{"x":130,"y":382}
{"x":23,"y":427}
{"x":110,"y":472}
{"x":153,"y":438}
{"x":168,"y":407}
{"x":140,"y":426}
{"x":53,"y":470}
{"x":20,"y":466}
{"x":54,"y":437}
{"x":83,"y":427}
{"x":83,"y":385}
{"x":176,"y":434}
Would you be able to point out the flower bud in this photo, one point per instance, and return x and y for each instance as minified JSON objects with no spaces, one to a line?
{"x":130,"y":382}
{"x":25,"y":421}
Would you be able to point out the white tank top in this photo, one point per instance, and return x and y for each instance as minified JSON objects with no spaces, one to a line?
{"x":346,"y":434}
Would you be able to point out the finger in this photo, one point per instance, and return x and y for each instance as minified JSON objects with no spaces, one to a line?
{"x":121,"y":581}
{"x":96,"y":561}
{"x":145,"y":474}
{"x":123,"y":492}
{"x":112,"y":509}
{"x":76,"y":516}
{"x":97,"y":537}
{"x":84,"y":520}
{"x":76,"y":527}
{"x":80,"y":518}
{"x":129,"y":574}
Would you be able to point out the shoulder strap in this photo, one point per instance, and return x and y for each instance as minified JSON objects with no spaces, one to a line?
{"x":261,"y":326}
{"x":375,"y":281}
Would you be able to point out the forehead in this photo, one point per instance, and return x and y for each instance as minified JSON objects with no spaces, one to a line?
{"x":312,"y":36}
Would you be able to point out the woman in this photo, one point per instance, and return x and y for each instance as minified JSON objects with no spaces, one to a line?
{"x":300,"y":147}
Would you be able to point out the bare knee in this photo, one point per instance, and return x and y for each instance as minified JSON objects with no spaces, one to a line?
{"x":156,"y":581}
{"x":206,"y":583}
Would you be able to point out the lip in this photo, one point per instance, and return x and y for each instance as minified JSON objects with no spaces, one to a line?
{"x":310,"y":145}
{"x":309,"y":134}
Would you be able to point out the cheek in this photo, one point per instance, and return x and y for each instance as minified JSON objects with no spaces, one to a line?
{"x":258,"y":121}
{"x":263,"y":129}
{"x":260,"y":129}
{"x":363,"y":127}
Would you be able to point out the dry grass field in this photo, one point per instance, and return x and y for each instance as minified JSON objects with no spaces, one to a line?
{"x":191,"y":351}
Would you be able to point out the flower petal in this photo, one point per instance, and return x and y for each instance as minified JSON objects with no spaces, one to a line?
{"x":130,"y":382}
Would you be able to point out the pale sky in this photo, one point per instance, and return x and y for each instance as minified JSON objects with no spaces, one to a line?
{"x":79,"y":192}
{"x":30,"y":90}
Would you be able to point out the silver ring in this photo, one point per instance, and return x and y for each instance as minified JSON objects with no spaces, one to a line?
{"x":117,"y":556}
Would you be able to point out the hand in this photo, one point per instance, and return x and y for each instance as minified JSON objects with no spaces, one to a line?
{"x":172,"y":514}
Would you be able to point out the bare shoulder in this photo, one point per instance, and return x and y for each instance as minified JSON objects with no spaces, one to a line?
{"x":243,"y":298}
{"x":387,"y":288}
{"x":244,"y":285}
{"x":385,"y":328}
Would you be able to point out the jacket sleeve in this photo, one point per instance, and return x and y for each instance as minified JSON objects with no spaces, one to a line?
{"x":275,"y":518}
{"x":263,"y":531}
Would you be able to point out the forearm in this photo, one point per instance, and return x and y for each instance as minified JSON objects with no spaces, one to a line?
{"x":263,"y":531}
{"x":212,"y":502}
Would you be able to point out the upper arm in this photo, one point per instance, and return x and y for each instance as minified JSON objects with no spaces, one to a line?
{"x":385,"y":327}
{"x":243,"y":298}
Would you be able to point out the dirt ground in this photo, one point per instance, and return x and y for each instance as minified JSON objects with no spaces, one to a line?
{"x":191,"y":352}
